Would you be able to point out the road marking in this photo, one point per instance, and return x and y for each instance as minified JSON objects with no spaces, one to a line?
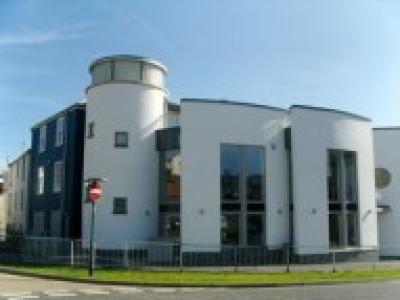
{"x":23,"y":297}
{"x":94,"y":292}
{"x":163,"y":290}
{"x":59,"y":293}
{"x":127,"y":290}
{"x":191,"y":290}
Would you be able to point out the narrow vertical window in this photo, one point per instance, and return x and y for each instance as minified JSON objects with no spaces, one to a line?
{"x":60,"y":131}
{"x":58,"y":176}
{"x":42,"y":139}
{"x":90,"y":130}
{"x":40,"y":180}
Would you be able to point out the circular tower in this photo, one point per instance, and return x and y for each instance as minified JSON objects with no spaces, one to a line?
{"x":126,"y":104}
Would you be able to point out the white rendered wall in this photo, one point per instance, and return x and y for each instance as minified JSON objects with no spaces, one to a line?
{"x":204,"y":127}
{"x":313,"y":133}
{"x":17,"y":188}
{"x":130,"y":172}
{"x":387,"y":155}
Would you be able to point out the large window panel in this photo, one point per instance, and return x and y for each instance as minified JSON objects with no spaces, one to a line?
{"x":254,"y":166}
{"x":350,"y":176}
{"x":343,"y":199}
{"x":170,"y":225}
{"x":352,"y":229}
{"x":230,"y":224}
{"x":255,"y":230}
{"x":335,"y":230}
{"x":230,"y":172}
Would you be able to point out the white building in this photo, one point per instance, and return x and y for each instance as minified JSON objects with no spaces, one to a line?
{"x":2,"y":206}
{"x":212,"y":173}
{"x":387,"y":173}
{"x":17,"y":193}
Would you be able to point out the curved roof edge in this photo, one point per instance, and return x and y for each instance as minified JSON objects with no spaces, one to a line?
{"x":324,"y":109}
{"x":387,"y":128}
{"x":230,"y":102}
{"x":127,"y":57}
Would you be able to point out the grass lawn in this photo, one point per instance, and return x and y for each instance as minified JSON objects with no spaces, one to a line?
{"x":212,"y":278}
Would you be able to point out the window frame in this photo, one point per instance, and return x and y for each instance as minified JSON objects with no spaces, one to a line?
{"x":117,"y":143}
{"x":58,"y":176}
{"x":91,"y":130}
{"x":42,"y":138}
{"x":60,"y":128}
{"x":114,"y":207}
{"x":40,"y":184}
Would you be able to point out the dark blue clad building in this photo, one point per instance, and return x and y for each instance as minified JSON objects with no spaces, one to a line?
{"x":56,"y":174}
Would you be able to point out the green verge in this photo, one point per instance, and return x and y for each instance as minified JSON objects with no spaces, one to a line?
{"x":199,"y":278}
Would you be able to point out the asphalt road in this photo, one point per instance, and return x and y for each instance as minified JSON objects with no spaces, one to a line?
{"x":15,"y":288}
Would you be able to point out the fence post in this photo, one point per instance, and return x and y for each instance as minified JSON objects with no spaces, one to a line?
{"x":180,"y":256}
{"x":334,"y":261}
{"x":126,"y":256}
{"x":71,"y":245}
{"x":287,"y":258}
{"x":236,"y":258}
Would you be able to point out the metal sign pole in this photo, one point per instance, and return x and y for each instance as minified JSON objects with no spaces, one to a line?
{"x":92,"y":250}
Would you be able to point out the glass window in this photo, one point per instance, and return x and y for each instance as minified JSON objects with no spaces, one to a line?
{"x":333,"y":177}
{"x":382,"y":178}
{"x":90,"y":130}
{"x":42,"y":139}
{"x":101,"y":73}
{"x":350,"y":176}
{"x":40,"y":181}
{"x":352,"y":229}
{"x":342,"y":190}
{"x":170,"y":225}
{"x":152,"y":75}
{"x":254,"y":165}
{"x":335,"y":230}
{"x":120,"y":206}
{"x":121,"y":139}
{"x":125,"y":70}
{"x":59,"y":131}
{"x":230,"y":229}
{"x":230,"y":172}
{"x":173,"y":169}
{"x":255,"y":229}
{"x":58,"y":176}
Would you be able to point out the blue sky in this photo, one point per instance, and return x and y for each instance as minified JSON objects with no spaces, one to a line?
{"x":340,"y":54}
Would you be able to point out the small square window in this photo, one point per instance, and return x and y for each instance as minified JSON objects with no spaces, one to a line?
{"x":121,"y":139}
{"x":120,"y":206}
{"x":90,"y":130}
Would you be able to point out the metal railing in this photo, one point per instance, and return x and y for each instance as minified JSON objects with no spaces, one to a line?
{"x":140,"y":255}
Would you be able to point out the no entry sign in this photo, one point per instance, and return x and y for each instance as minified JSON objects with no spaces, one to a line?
{"x":95,"y":191}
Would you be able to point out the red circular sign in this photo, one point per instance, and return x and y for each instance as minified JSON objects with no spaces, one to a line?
{"x":95,"y":191}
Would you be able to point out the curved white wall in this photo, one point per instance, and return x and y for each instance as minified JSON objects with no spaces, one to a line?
{"x":387,"y":155}
{"x":131,"y":172}
{"x":315,"y":131}
{"x":204,"y":127}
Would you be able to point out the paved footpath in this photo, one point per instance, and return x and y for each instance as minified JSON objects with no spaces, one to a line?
{"x":16,"y":288}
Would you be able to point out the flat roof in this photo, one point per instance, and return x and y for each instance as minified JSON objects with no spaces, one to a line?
{"x":78,"y":105}
{"x":387,"y":128}
{"x":127,"y":57}
{"x":325,"y":109}
{"x":26,"y":152}
{"x":231,"y":102}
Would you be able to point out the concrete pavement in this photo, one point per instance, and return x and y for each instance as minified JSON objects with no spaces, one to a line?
{"x":15,"y":287}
